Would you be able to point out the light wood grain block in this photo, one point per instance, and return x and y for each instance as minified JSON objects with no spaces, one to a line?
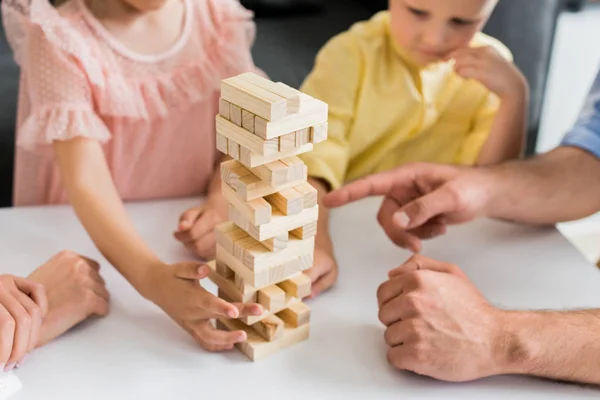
{"x":287,"y":142}
{"x":256,"y":279}
{"x":256,"y":347}
{"x":255,"y":99}
{"x":258,"y":257}
{"x":302,"y":137}
{"x":288,"y":201}
{"x":224,"y":109}
{"x":308,"y":193}
{"x":248,"y":121}
{"x":305,"y":231}
{"x":228,"y":286}
{"x":277,"y":243}
{"x":227,"y":233}
{"x":223,"y":270}
{"x":274,"y":173}
{"x":231,"y":171}
{"x":272,"y":298}
{"x":235,"y":115}
{"x":258,"y":210}
{"x":252,"y":159}
{"x":240,"y":246}
{"x":222,"y":144}
{"x":234,"y":149}
{"x":270,"y":328}
{"x":314,"y":113}
{"x":294,"y":98}
{"x":246,"y":139}
{"x":296,"y":315}
{"x":296,"y":168}
{"x":298,"y":286}
{"x":252,"y":319}
{"x":318,"y":133}
{"x":279,"y":224}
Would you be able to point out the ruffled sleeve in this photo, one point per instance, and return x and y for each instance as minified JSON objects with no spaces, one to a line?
{"x":59,"y":96}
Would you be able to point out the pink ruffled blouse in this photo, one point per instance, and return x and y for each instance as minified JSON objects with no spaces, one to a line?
{"x":154,"y":115}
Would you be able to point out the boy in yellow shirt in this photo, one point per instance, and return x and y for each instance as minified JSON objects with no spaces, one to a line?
{"x":418,"y":82}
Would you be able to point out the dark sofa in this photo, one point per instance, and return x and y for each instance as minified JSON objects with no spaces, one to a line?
{"x":286,"y":48}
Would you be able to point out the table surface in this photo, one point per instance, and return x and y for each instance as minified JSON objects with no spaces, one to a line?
{"x":137,"y":351}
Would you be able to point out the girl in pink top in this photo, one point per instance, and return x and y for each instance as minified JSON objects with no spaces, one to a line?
{"x":117,"y":103}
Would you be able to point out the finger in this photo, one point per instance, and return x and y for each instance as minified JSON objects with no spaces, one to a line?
{"x":204,"y":226}
{"x":191,"y":270}
{"x":419,"y":262}
{"x":22,"y":328}
{"x":92,"y":263}
{"x":389,"y":290}
{"x":189,"y":217}
{"x":401,"y":237}
{"x":206,"y":246}
{"x":429,"y":230}
{"x":469,"y":72}
{"x":398,"y":333}
{"x":315,"y":272}
{"x":325,"y":282}
{"x":35,"y":291}
{"x":7,"y":335}
{"x":36,"y":317}
{"x":101,"y":291}
{"x":99,"y":306}
{"x":400,"y":358}
{"x":400,"y":308}
{"x":425,"y":208}
{"x":374,"y":185}
{"x":212,"y":336}
{"x":248,"y":309}
{"x":215,"y":307}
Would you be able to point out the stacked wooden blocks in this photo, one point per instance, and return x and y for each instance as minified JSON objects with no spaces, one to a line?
{"x":269,"y":240}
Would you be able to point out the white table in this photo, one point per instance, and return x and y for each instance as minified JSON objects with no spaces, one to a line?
{"x":137,"y":352}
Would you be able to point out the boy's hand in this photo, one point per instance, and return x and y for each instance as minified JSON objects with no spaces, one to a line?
{"x":177,"y":291}
{"x":75,"y":291}
{"x":196,"y":228}
{"x":324,"y":272}
{"x":486,"y":65}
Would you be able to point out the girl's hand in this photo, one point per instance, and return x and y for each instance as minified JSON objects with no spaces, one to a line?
{"x":486,"y":65}
{"x":177,"y":290}
{"x":196,"y":228}
{"x":23,"y":305}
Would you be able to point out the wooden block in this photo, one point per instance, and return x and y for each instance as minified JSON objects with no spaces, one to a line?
{"x":256,"y":347}
{"x":288,"y":201}
{"x":296,"y":315}
{"x":287,"y":142}
{"x":289,"y":300}
{"x":224,"y":109}
{"x":252,"y":159}
{"x":240,"y":246}
{"x":223,"y":270}
{"x":309,"y":195}
{"x":248,"y":121}
{"x":257,"y":210}
{"x":256,"y":279}
{"x":296,"y":168}
{"x":231,"y":171}
{"x":222,"y":144}
{"x":302,"y":137}
{"x":274,"y":173}
{"x":234,"y":149}
{"x":305,"y":231}
{"x":279,"y":224}
{"x":246,"y":139}
{"x":235,"y":114}
{"x":294,"y":98}
{"x":271,"y":298}
{"x":258,"y":257}
{"x":227,"y":233}
{"x":318,"y":133}
{"x":315,"y":113}
{"x":270,"y":328}
{"x":298,"y":286}
{"x":228,"y":286}
{"x":277,"y":243}
{"x":257,"y":100}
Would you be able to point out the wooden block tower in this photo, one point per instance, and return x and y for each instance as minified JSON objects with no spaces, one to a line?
{"x":270,"y":237}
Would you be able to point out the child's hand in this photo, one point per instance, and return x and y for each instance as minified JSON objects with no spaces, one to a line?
{"x":324,"y":272}
{"x":177,"y":290}
{"x":196,"y":228}
{"x":75,"y":291}
{"x":486,"y":65}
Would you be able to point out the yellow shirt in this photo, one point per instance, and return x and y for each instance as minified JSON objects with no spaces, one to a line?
{"x":385,"y":111}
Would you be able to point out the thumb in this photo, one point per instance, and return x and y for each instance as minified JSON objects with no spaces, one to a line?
{"x":191,"y":270}
{"x":187,"y":219}
{"x":420,"y":262}
{"x":423,"y":209}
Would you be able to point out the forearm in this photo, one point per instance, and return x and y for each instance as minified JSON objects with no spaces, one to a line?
{"x":323,"y":239}
{"x":561,"y":185}
{"x":506,"y":139}
{"x":555,"y":345}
